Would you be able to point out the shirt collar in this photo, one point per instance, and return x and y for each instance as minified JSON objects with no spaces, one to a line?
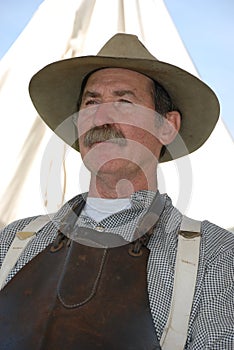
{"x":142,"y":199}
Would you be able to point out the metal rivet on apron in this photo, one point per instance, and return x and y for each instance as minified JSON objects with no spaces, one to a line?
{"x":100,"y":228}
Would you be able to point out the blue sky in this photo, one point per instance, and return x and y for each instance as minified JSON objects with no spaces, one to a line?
{"x":205,"y":26}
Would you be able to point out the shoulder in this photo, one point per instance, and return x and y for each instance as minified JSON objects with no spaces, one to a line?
{"x":217,"y":258}
{"x":216,"y":307}
{"x":8,"y":232}
{"x":218,"y":241}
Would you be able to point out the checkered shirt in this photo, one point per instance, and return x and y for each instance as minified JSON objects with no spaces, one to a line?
{"x":211,"y":324}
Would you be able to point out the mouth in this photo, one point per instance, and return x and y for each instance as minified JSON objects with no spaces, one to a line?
{"x":119,"y":142}
{"x":104,"y":134}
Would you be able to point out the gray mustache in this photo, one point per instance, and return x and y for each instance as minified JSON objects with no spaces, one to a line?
{"x":104,"y":133}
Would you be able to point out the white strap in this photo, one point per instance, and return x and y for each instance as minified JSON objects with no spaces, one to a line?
{"x":190,"y":225}
{"x":19,"y":243}
{"x":175,"y":333}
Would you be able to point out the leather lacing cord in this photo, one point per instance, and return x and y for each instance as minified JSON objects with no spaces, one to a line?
{"x":95,"y":285}
{"x":59,"y":243}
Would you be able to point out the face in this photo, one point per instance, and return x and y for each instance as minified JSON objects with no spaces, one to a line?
{"x":120,"y":103}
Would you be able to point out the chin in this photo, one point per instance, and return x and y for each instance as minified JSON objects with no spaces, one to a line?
{"x":109,"y":167}
{"x":104,"y":156}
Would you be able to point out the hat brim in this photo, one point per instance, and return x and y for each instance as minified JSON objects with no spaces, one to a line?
{"x":55,"y":89}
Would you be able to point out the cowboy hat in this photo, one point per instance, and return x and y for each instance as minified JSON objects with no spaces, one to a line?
{"x":55,"y":89}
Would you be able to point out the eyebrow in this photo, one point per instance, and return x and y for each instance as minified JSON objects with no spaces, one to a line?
{"x":90,"y":94}
{"x":118,"y":93}
{"x":121,"y":93}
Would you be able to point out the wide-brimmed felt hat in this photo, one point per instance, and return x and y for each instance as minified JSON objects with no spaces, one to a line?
{"x":55,"y":89}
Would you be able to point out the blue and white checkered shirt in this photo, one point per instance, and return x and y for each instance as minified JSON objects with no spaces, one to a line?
{"x":211,"y":324}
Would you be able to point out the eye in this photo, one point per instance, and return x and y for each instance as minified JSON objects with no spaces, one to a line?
{"x":91,"y":102}
{"x":124,"y":106}
{"x":123,"y":100}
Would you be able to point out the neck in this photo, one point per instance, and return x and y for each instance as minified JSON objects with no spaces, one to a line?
{"x":112,"y":186}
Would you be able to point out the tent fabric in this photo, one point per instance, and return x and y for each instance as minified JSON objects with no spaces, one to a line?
{"x":39,"y":172}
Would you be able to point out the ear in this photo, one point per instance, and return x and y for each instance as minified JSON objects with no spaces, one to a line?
{"x":170,"y":127}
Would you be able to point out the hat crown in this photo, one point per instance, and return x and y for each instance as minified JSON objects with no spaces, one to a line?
{"x":125,"y":46}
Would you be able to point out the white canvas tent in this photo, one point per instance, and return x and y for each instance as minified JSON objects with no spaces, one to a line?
{"x":38,"y":171}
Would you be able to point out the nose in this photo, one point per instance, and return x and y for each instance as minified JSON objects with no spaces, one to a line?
{"x":104,"y":113}
{"x":97,"y":115}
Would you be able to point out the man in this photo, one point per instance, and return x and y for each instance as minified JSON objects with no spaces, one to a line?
{"x":105,"y":272}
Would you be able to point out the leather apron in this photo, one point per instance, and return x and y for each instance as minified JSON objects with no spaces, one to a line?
{"x":74,"y":296}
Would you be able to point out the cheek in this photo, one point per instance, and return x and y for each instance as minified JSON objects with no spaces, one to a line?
{"x":82,"y":148}
{"x":141,"y":135}
{"x":82,"y":127}
{"x":146,"y":144}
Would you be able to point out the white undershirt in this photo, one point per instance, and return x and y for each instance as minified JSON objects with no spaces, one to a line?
{"x":100,"y":208}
